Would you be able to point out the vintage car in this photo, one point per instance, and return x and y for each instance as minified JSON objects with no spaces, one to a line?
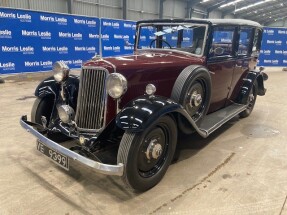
{"x":123,"y":114}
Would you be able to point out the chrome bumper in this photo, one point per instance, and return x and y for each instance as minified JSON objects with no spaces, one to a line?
{"x":97,"y":166}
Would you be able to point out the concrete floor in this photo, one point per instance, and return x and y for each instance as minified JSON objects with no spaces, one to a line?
{"x":240,"y":169}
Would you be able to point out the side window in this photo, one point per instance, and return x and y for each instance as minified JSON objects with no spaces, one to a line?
{"x":245,"y":41}
{"x":257,"y":41}
{"x":222,"y":41}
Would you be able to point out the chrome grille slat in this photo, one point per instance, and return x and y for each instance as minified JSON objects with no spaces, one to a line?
{"x":92,"y":97}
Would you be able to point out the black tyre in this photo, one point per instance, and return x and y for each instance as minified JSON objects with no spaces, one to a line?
{"x":44,"y":107}
{"x":250,"y":102}
{"x":147,"y":155}
{"x":192,"y":90}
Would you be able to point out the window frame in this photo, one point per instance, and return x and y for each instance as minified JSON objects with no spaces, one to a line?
{"x":233,"y":43}
{"x":251,"y":42}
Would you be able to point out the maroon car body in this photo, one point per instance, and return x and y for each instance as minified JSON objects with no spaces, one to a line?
{"x":125,"y":112}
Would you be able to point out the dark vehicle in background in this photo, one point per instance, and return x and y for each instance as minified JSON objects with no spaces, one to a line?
{"x":124,"y":113}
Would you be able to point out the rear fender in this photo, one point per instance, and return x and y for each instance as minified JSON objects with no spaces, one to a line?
{"x":248,"y":82}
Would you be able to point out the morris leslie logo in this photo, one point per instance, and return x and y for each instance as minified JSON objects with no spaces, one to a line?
{"x":111,"y":24}
{"x":85,"y":22}
{"x":62,"y":49}
{"x":269,"y":31}
{"x":94,"y":36}
{"x":5,"y":34}
{"x":83,"y":48}
{"x":59,"y":20}
{"x":112,"y":48}
{"x":23,"y":49}
{"x":22,"y":17}
{"x":42,"y":34}
{"x":76,"y":36}
{"x":38,"y":63}
{"x":7,"y":66}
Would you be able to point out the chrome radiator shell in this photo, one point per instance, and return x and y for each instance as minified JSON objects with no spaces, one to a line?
{"x":92,"y":100}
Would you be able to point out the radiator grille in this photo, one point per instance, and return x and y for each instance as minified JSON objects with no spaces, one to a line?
{"x":91,"y":107}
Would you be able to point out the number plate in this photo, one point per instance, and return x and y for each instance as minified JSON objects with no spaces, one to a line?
{"x":61,"y":160}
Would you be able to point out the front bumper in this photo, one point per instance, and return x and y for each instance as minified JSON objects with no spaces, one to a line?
{"x":97,"y":166}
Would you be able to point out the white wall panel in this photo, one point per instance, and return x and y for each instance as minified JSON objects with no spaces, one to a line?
{"x":15,"y":3}
{"x":142,"y":9}
{"x":59,"y":6}
{"x":98,"y":8}
{"x":229,"y":16}
{"x":215,"y":14}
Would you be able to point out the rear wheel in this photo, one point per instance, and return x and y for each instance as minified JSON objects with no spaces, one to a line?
{"x":147,"y":155}
{"x":192,"y":90}
{"x":250,"y":102}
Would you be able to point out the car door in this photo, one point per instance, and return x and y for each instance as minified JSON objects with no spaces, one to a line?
{"x":244,"y":62}
{"x":221,"y":61}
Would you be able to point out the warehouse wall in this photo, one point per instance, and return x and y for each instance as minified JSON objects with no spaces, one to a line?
{"x":136,"y":9}
{"x":280,"y":23}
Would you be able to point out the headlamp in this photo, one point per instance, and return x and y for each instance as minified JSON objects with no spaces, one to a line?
{"x":66,"y":113}
{"x":116,"y":85}
{"x":61,"y":71}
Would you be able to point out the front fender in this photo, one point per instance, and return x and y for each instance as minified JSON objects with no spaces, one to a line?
{"x":248,"y":81}
{"x":49,"y":87}
{"x":140,"y":113}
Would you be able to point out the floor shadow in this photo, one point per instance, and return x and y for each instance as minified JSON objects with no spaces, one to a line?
{"x":194,"y":142}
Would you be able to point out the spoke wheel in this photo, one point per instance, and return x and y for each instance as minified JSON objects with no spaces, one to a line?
{"x":250,"y":102}
{"x":192,"y":89}
{"x":147,"y":155}
{"x":194,"y":99}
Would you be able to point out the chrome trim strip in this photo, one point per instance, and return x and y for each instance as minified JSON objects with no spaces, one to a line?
{"x":97,"y":166}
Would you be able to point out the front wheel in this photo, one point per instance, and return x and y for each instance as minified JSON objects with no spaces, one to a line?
{"x":44,"y":107}
{"x":147,"y":155}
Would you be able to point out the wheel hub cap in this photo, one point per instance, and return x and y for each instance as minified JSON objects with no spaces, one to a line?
{"x":196,"y":99}
{"x":154,"y":150}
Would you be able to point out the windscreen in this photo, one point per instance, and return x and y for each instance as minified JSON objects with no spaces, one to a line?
{"x":183,"y":37}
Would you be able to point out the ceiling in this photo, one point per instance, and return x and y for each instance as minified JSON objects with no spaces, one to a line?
{"x":262,"y":11}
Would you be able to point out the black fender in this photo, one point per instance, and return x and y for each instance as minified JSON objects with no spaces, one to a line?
{"x":140,"y":113}
{"x":49,"y":87}
{"x":248,"y":82}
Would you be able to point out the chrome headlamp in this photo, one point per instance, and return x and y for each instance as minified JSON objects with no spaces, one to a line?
{"x":116,"y":85}
{"x":66,"y":113}
{"x":61,"y":71}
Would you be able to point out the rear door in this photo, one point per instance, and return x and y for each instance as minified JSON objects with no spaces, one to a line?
{"x":221,"y":61}
{"x":244,"y":62}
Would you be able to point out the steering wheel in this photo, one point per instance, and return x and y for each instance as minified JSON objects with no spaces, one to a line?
{"x":161,"y":40}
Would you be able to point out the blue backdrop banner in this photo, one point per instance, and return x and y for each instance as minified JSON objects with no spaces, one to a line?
{"x":117,"y":37}
{"x":32,"y":41}
{"x":274,"y":47}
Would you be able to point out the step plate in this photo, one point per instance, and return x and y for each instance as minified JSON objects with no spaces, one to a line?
{"x":213,"y":121}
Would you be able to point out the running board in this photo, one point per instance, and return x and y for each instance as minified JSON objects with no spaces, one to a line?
{"x":215,"y":120}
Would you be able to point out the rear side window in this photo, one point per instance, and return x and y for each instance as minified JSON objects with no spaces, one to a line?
{"x":222,"y":42}
{"x":245,"y":41}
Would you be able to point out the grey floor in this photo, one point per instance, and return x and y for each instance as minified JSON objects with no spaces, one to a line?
{"x":240,"y":169}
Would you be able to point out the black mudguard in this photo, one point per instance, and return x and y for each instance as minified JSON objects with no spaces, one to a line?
{"x":49,"y":87}
{"x":140,"y":113}
{"x":252,"y":77}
